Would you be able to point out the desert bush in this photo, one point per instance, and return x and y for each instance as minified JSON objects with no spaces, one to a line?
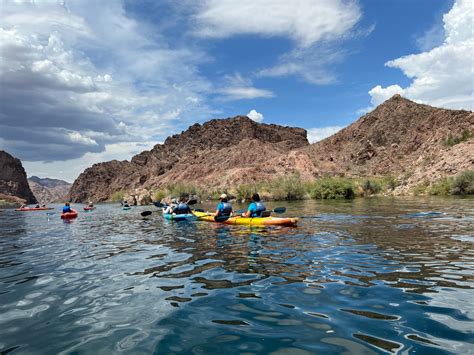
{"x":183,"y":190}
{"x":117,"y":196}
{"x":440,"y":188}
{"x":245,"y":191}
{"x":420,"y":189}
{"x":371,"y":187}
{"x":286,"y":187}
{"x":332,"y":188}
{"x":453,"y":140}
{"x":463,"y":184}
{"x":158,"y":195}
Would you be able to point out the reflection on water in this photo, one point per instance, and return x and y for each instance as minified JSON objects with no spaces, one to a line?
{"x":365,"y":276}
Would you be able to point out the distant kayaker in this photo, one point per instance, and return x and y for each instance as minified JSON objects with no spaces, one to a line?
{"x":224,"y":208}
{"x":125,"y":204}
{"x":182,"y":207}
{"x":37,"y":205}
{"x":90,"y":204}
{"x":67,"y":208}
{"x":256,"y":207}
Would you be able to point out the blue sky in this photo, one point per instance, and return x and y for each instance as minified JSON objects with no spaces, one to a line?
{"x":86,"y":81}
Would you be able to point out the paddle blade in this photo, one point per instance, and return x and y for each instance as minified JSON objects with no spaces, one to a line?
{"x":146,"y":213}
{"x":221,"y":218}
{"x":199,"y":210}
{"x":192,"y":202}
{"x":280,"y":210}
{"x":158,"y":204}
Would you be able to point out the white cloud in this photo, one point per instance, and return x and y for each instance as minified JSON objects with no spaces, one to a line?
{"x":255,"y":116}
{"x":79,"y":77}
{"x":443,"y":76}
{"x":238,"y":88}
{"x":318,"y":134}
{"x":303,"y":21}
{"x":313,"y":27}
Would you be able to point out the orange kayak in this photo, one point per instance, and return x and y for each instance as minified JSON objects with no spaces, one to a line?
{"x":69,"y":215}
{"x":26,"y":209}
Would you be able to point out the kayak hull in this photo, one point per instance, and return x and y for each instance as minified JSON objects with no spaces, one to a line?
{"x":69,"y":215}
{"x":89,"y":208}
{"x":126,"y":208}
{"x":256,"y":221}
{"x":178,"y":217}
{"x":34,"y":209}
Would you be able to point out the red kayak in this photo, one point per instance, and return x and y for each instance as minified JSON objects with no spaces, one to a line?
{"x":25,"y":209}
{"x":69,"y":215}
{"x":89,"y":208}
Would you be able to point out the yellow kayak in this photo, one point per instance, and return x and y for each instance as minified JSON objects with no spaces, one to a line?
{"x":255,"y":221}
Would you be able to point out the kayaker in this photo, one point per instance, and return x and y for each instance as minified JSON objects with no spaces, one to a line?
{"x":256,"y":207}
{"x":224,"y":208}
{"x":67,"y":208}
{"x":37,"y":205}
{"x":182,"y":207}
{"x":169,"y":209}
{"x":125,"y":204}
{"x":90,"y":204}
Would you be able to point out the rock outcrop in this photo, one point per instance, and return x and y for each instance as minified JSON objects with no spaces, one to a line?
{"x":216,"y":154}
{"x":13,"y":184}
{"x":399,"y":138}
{"x":48,"y":190}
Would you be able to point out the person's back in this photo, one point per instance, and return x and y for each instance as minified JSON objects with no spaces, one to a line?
{"x":67,"y":208}
{"x":224,"y":208}
{"x":256,"y":207}
{"x":182,"y":208}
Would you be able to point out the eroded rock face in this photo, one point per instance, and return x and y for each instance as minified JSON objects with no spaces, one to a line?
{"x":215,"y":154}
{"x":48,"y":190}
{"x":13,"y":184}
{"x":399,"y":138}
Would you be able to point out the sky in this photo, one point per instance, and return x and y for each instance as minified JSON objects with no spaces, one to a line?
{"x":87,"y":81}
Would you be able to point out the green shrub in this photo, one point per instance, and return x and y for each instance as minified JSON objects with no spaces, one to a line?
{"x":463,"y":184}
{"x":183,"y":190}
{"x":391,"y":182}
{"x":453,"y":140}
{"x":117,"y":196}
{"x":286,"y":187}
{"x":245,"y":191}
{"x":420,"y":189}
{"x":440,"y":188}
{"x":158,"y":195}
{"x":371,"y":187}
{"x":332,"y":188}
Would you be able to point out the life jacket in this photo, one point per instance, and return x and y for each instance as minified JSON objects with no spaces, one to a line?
{"x":182,"y":208}
{"x":260,"y":207}
{"x":226,"y":209}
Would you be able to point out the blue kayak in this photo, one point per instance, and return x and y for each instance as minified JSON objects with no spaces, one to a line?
{"x":179,"y":217}
{"x":126,"y":208}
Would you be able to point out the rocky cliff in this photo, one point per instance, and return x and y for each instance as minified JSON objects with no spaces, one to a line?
{"x":48,"y":190}
{"x":216,"y":154}
{"x":401,"y":138}
{"x":13,"y":184}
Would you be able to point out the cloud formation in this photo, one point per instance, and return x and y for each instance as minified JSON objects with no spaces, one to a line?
{"x":237,"y":87}
{"x":255,"y":116}
{"x":79,"y":77}
{"x":318,"y":134}
{"x":443,"y":75}
{"x":312,"y":26}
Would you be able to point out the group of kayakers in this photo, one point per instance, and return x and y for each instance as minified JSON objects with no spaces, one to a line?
{"x":224,"y":208}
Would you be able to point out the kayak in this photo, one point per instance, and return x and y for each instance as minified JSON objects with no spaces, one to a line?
{"x":126,"y":208}
{"x":25,"y":209}
{"x":255,"y":221}
{"x":178,"y":217}
{"x":89,"y":208}
{"x":69,"y":215}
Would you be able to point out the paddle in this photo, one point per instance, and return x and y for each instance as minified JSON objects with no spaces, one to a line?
{"x":159,"y":204}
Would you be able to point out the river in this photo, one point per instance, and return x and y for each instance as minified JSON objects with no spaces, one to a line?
{"x":372,"y":275}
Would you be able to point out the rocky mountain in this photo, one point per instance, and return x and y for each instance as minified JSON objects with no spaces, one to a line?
{"x":216,"y":154}
{"x":49,"y":190}
{"x":407,"y":140}
{"x":401,"y":138}
{"x":13,"y":184}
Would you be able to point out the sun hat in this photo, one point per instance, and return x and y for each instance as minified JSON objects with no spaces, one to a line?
{"x":222,"y":196}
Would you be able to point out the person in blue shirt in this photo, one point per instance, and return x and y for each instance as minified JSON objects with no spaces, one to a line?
{"x":67,"y":208}
{"x":256,"y":207}
{"x":224,"y":208}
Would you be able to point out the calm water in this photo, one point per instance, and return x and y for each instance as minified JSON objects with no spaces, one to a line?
{"x":367,"y":276}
